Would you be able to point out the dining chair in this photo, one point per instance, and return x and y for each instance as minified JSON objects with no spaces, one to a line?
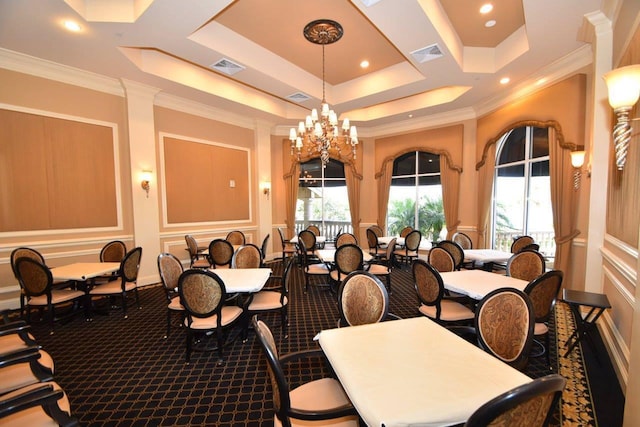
{"x":36,"y":281}
{"x":203,"y":296}
{"x":411,"y":245}
{"x":288,"y":248}
{"x":455,"y":250}
{"x":311,"y":267}
{"x":363,"y":299}
{"x":405,"y":231}
{"x":441,"y":259}
{"x":431,"y":294}
{"x":22,"y":361}
{"x":263,"y":250}
{"x":170,"y":269}
{"x":347,"y":258}
{"x":220,"y":253}
{"x":377,"y":229}
{"x":198,"y":258}
{"x":274,"y":296}
{"x":543,"y":292}
{"x":520,"y":243}
{"x":113,"y":251}
{"x":346,"y":238}
{"x":504,"y":326}
{"x":309,"y":240}
{"x":22,"y":252}
{"x":463,"y":240}
{"x":375,"y":249}
{"x":127,"y":280}
{"x":247,"y":256}
{"x":529,"y":405}
{"x":314,"y":229}
{"x":320,"y":400}
{"x":40,"y":404}
{"x":236,"y":237}
{"x":526,"y":265}
{"x":383,"y":266}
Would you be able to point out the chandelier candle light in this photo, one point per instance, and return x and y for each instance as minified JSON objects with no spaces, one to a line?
{"x":319,"y":134}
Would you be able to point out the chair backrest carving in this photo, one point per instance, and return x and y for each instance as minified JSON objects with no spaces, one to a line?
{"x":463,"y":240}
{"x":529,"y":405}
{"x":34,"y":277}
{"x":346,"y":238}
{"x":24,"y":252}
{"x":441,"y":259}
{"x":113,"y":251}
{"x":348,"y":258}
{"x":247,"y":256}
{"x":263,"y":248}
{"x":170,"y":269}
{"x":543,"y":292}
{"x":220,"y":252}
{"x":314,"y":229}
{"x":520,"y":243}
{"x":405,"y":231}
{"x":428,"y":283}
{"x":236,"y":237}
{"x":372,"y":240}
{"x":308,"y":238}
{"x":130,"y":265}
{"x":504,"y":324}
{"x":202,"y":293}
{"x":362,"y":299}
{"x":377,"y":229}
{"x":526,"y":265}
{"x":412,"y":241}
{"x":455,"y":250}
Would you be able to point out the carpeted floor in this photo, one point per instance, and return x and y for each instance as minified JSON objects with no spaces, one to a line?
{"x":121,"y":372}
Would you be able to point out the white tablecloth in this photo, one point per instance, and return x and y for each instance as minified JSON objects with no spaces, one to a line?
{"x":83,"y":271}
{"x":243,"y":279}
{"x":328,"y":255}
{"x":477,"y":283}
{"x":486,"y":255}
{"x":414,"y":372}
{"x":319,"y":239}
{"x":386,"y":239}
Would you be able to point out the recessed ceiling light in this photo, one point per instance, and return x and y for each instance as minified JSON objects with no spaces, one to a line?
{"x":410,"y":116}
{"x":504,"y":80}
{"x":486,"y":8}
{"x":364,"y":64}
{"x":541,"y":81}
{"x":72,"y":26}
{"x":490,"y":23}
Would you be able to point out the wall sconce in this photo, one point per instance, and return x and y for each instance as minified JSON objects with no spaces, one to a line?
{"x":145,"y":182}
{"x":624,"y":89}
{"x":266,"y":188}
{"x":577,"y":160}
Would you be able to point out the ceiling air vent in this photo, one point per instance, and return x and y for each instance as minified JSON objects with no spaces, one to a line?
{"x":227,"y":66}
{"x":298,"y":97}
{"x":427,"y":53}
{"x":370,"y":3}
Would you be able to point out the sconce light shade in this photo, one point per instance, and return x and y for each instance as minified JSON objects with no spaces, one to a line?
{"x":623,"y":85}
{"x":266,"y":188}
{"x":145,"y":181}
{"x":577,"y":159}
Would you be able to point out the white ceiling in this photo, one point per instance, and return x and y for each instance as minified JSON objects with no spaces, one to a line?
{"x":171,"y":44}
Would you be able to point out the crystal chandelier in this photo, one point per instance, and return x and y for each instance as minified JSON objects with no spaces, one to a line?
{"x":319,"y":134}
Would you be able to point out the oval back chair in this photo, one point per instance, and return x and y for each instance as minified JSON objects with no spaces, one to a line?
{"x":362,"y":299}
{"x":441,"y":259}
{"x":520,"y":243}
{"x":346,"y":238}
{"x":247,"y":256}
{"x":526,"y":265}
{"x":220,"y":253}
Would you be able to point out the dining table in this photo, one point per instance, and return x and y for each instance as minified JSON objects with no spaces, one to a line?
{"x":328,"y":255}
{"x":243,"y":280}
{"x":486,"y":257}
{"x":320,"y":240}
{"x":414,"y":372}
{"x":478,"y":283}
{"x":385,"y":240}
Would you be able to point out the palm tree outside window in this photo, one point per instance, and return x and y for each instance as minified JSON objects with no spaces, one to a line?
{"x":323,"y":199}
{"x":415,"y":196}
{"x":522,"y":189}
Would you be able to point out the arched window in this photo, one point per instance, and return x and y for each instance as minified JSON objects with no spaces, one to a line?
{"x":322,"y":197}
{"x":415,"y":196}
{"x":522,"y":189}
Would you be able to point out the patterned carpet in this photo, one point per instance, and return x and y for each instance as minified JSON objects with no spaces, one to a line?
{"x":121,"y":372}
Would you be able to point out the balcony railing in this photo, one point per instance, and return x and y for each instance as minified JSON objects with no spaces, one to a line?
{"x":545,"y":239}
{"x":327,"y":228}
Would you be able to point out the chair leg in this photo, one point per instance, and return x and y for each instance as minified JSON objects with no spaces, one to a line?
{"x":189,"y":339}
{"x":22,"y":304}
{"x":137,"y":297}
{"x":546,"y":343}
{"x":389,"y":283}
{"x":284,"y":318}
{"x":124,"y":304}
{"x":220,"y":336}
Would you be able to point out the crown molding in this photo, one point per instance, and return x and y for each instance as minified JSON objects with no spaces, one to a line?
{"x":38,"y":67}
